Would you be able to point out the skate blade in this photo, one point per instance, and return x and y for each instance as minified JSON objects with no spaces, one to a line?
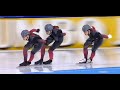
{"x":33,"y":65}
{"x":84,"y":63}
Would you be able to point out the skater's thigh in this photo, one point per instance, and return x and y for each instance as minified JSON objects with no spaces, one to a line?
{"x":28,"y":46}
{"x":36,"y":48}
{"x":55,"y":45}
{"x":87,"y":43}
{"x":49,"y":40}
{"x":97,"y":44}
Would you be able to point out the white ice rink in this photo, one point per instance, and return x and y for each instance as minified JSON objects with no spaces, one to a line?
{"x":63,"y":60}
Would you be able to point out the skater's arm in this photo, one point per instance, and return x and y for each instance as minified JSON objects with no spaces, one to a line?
{"x":25,"y":49}
{"x":93,"y":29}
{"x":98,"y":36}
{"x":105,"y":36}
{"x":57,"y":34}
{"x":41,"y":41}
{"x":34,"y":30}
{"x":55,"y":37}
{"x":60,"y":33}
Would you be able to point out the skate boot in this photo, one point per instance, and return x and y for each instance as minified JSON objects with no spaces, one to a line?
{"x":26,"y":63}
{"x":83,"y":61}
{"x":39,"y":62}
{"x":47,"y":62}
{"x":89,"y":60}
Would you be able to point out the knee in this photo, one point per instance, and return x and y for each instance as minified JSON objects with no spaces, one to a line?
{"x":93,"y":50}
{"x":85,"y":47}
{"x":33,"y":52}
{"x":50,"y":50}
{"x":46,"y":44}
{"x":25,"y":49}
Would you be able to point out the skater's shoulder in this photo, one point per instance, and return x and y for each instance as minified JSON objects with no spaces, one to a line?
{"x":34,"y":36}
{"x":57,"y":31}
{"x":97,"y":33}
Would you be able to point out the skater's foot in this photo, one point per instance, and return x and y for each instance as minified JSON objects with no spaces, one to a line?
{"x":89,"y":60}
{"x":47,"y":62}
{"x":83,"y":61}
{"x":39,"y":62}
{"x":26,"y":63}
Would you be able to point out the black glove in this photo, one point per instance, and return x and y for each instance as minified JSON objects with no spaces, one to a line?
{"x":38,"y":30}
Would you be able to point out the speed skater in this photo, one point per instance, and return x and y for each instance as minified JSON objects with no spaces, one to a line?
{"x":95,"y":39}
{"x":55,"y":35}
{"x":34,"y":41}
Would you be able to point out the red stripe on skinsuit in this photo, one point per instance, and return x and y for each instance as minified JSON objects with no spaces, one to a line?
{"x":50,"y":54}
{"x":31,"y":57}
{"x":43,"y":51}
{"x":85,"y":51}
{"x":25,"y":54}
{"x":92,"y":55}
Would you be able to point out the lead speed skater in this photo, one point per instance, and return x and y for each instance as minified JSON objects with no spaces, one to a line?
{"x":34,"y":41}
{"x":56,"y":36}
{"x":95,"y":39}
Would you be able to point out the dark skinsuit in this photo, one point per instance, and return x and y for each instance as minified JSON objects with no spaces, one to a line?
{"x":35,"y":42}
{"x":96,"y":38}
{"x":57,"y":37}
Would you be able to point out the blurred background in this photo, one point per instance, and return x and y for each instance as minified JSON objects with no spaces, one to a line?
{"x":10,"y":29}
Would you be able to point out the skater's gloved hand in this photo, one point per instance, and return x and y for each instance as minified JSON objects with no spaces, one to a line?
{"x":38,"y":30}
{"x":63,"y":34}
{"x":109,"y":36}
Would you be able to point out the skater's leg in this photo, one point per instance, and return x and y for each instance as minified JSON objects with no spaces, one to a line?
{"x":55,"y":45}
{"x":25,"y":50}
{"x":48,"y":41}
{"x":31,"y":56}
{"x":42,"y":56}
{"x":36,"y":48}
{"x":43,"y":51}
{"x":50,"y":54}
{"x":85,"y":48}
{"x":92,"y":55}
{"x":25,"y":54}
{"x":96,"y":45}
{"x":50,"y":51}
